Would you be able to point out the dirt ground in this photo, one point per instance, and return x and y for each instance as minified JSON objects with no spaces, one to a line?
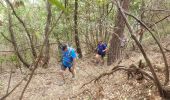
{"x":45,"y":84}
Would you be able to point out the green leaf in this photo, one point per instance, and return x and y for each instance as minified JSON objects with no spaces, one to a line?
{"x":58,"y":4}
{"x":38,"y":35}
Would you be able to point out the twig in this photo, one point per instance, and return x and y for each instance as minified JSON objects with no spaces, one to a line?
{"x":158,"y":21}
{"x":6,"y":37}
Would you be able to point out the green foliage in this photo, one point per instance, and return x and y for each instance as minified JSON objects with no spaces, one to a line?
{"x":58,"y":4}
{"x":101,"y":2}
{"x":2,"y":60}
{"x":13,"y":58}
{"x":135,"y":5}
{"x":10,"y":58}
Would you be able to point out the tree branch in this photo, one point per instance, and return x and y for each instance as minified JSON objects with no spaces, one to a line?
{"x":6,"y":37}
{"x":159,"y":45}
{"x":158,"y":21}
{"x":156,"y":80}
{"x":14,"y":41}
{"x":5,"y":96}
{"x":26,"y":29}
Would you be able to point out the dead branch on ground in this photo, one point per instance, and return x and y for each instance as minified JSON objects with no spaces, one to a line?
{"x":131,"y":69}
{"x":163,"y":93}
{"x":159,"y":45}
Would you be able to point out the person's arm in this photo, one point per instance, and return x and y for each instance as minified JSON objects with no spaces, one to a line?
{"x":96,"y":49}
{"x":105,"y":49}
{"x":74,"y":63}
{"x":105,"y":46}
{"x":74,"y":58}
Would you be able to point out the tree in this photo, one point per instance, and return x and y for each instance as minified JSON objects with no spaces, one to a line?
{"x":76,"y":29}
{"x":47,"y":45}
{"x":118,"y":34}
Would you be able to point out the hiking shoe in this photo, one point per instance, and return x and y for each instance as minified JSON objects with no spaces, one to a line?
{"x":74,"y":77}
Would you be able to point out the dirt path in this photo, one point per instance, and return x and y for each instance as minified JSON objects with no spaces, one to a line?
{"x":45,"y":83}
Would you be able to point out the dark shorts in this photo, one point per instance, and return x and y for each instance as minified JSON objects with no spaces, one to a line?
{"x":102,"y":54}
{"x":63,"y":67}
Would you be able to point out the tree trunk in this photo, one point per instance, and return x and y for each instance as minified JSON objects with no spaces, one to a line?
{"x":13,"y":40}
{"x":26,"y":29}
{"x":115,"y":49}
{"x":47,"y":45}
{"x":76,"y":30}
{"x":142,"y":19}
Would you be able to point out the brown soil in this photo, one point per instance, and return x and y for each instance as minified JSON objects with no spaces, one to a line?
{"x":45,"y":83}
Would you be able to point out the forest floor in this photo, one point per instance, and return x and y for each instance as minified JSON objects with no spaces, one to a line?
{"x":45,"y":83}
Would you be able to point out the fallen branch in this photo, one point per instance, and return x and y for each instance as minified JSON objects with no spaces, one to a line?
{"x":117,"y":68}
{"x":156,"y":80}
{"x":159,"y":45}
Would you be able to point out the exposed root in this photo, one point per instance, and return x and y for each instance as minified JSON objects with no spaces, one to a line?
{"x":132,"y":71}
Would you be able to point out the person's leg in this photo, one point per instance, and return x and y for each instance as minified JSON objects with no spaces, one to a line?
{"x":72,"y":70}
{"x":97,"y":57}
{"x":102,"y":58}
{"x":63,"y":68}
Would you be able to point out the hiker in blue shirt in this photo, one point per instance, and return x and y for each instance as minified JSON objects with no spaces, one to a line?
{"x":68,"y":60}
{"x":101,"y":51}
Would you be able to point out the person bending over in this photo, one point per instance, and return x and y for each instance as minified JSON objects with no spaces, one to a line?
{"x":68,"y":60}
{"x":101,"y":52}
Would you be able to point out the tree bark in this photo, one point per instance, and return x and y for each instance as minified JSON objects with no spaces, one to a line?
{"x":13,"y":40}
{"x":115,"y":50}
{"x":142,"y":19}
{"x":47,"y":45}
{"x":26,"y":29}
{"x":76,"y":29}
{"x":156,"y":80}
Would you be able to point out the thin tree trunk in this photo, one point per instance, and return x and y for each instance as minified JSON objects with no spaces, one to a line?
{"x":76,"y":30}
{"x":14,"y":42}
{"x":114,"y":50}
{"x":156,"y":80}
{"x":142,"y":19}
{"x":26,"y":29}
{"x":47,"y":45}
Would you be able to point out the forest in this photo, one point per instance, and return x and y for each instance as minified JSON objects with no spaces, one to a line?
{"x":84,"y":49}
